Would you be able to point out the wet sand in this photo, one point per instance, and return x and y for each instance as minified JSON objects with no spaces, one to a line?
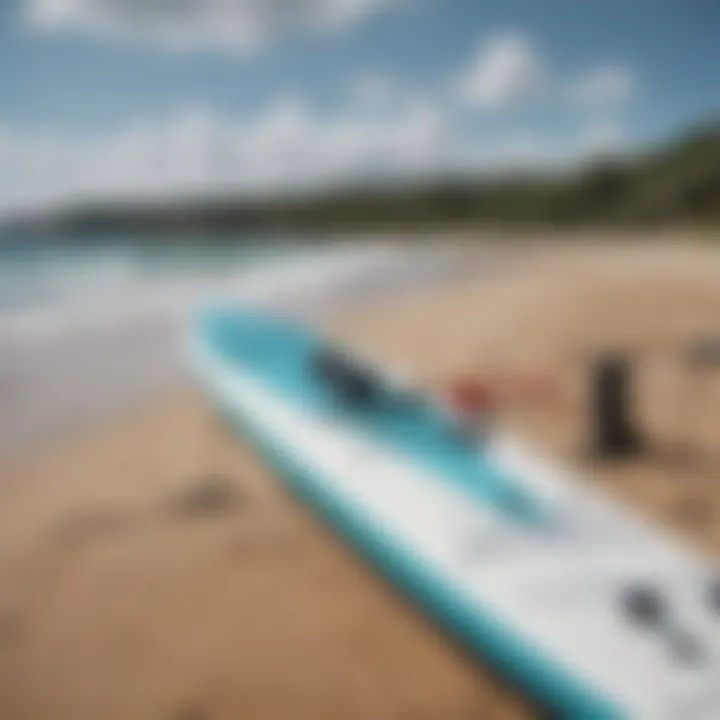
{"x":152,"y":567}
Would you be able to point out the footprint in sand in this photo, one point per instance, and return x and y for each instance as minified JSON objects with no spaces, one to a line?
{"x":210,"y":496}
{"x":93,"y":524}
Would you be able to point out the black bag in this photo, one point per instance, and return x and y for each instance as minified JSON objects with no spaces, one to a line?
{"x":614,"y":432}
{"x":349,"y":382}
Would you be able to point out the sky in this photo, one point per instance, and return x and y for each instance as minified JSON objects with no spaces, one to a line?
{"x":117,"y":99}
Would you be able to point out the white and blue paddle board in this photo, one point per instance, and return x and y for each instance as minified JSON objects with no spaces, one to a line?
{"x":593,"y":612}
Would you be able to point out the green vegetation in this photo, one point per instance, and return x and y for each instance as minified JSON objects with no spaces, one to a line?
{"x":678,"y":182}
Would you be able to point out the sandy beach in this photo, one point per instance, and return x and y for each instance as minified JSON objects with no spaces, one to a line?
{"x":152,"y":568}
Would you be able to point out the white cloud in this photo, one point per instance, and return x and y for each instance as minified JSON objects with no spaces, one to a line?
{"x":287,"y":146}
{"x":508,"y":69}
{"x":604,"y":86}
{"x":235,"y":25}
{"x":604,"y":137}
{"x":384,"y":129}
{"x":505,"y":70}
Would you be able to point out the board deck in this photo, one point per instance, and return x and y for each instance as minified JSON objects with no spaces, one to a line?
{"x":524,"y":564}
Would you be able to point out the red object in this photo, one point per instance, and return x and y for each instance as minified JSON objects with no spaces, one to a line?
{"x":470,"y":396}
{"x":473,"y":396}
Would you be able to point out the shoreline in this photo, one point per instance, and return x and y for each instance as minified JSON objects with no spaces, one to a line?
{"x":61,"y":374}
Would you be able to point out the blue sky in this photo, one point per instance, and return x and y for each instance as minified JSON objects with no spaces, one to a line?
{"x":113,"y":97}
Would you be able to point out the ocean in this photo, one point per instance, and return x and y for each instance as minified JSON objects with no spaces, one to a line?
{"x":87,"y":329}
{"x":56,"y":283}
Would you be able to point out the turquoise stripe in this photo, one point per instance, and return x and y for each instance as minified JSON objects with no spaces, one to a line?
{"x":554,"y":687}
{"x":278,"y":355}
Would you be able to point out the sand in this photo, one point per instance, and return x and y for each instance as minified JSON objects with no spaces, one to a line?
{"x":152,"y":568}
{"x":121,"y":598}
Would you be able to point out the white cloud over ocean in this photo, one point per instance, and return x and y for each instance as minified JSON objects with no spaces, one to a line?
{"x":505,"y":70}
{"x":380,"y":130}
{"x":508,"y":69}
{"x":287,"y":147}
{"x":226,"y":25}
